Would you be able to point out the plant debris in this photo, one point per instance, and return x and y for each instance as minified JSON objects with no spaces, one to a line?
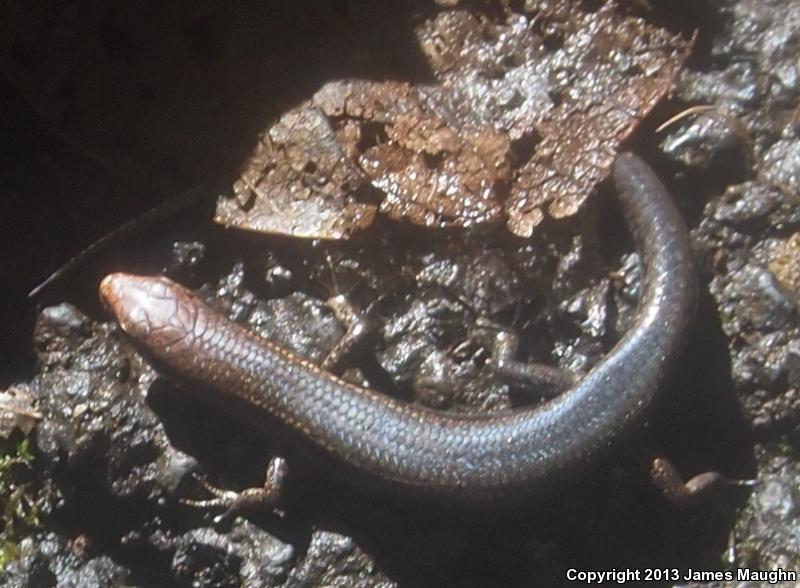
{"x":524,"y":118}
{"x":17,"y":412}
{"x":298,"y":182}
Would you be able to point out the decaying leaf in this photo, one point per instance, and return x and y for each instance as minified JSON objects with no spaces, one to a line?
{"x":298,"y":182}
{"x":433,"y":170}
{"x":524,"y":118}
{"x":17,"y":411}
{"x":566,"y":84}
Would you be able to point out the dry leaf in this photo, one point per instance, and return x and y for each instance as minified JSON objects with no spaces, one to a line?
{"x":17,"y":411}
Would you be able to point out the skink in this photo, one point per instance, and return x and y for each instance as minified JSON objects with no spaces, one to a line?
{"x":524,"y":451}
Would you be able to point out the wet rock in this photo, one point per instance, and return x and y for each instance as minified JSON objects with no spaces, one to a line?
{"x":785,"y":265}
{"x":64,"y":320}
{"x":484,"y":281}
{"x":246,"y":556}
{"x":46,"y":560}
{"x":416,"y":353}
{"x":694,"y":144}
{"x":745,"y":102}
{"x":335,"y":560}
{"x":751,"y":299}
{"x":768,"y":528}
{"x":744,"y":203}
{"x":95,"y":421}
{"x":782,"y":163}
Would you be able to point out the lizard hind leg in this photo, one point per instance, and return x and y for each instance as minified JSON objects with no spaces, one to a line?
{"x":250,"y":500}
